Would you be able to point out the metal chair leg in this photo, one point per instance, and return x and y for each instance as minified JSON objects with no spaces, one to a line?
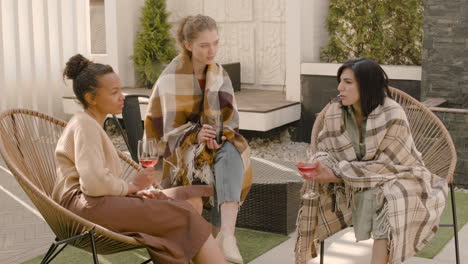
{"x":93,"y":246}
{"x":49,"y":253}
{"x":49,"y":256}
{"x":56,"y":253}
{"x":455,"y":224}
{"x":147,"y":261}
{"x":322,"y":251}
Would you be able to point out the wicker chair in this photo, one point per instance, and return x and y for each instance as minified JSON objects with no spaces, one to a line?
{"x":432,"y":139}
{"x":27,"y":144}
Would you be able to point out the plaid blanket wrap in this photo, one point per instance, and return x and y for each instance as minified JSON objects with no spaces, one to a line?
{"x":177,"y":109}
{"x":412,"y":198}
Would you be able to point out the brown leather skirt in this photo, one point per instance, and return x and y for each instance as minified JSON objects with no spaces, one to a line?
{"x":171,"y":229}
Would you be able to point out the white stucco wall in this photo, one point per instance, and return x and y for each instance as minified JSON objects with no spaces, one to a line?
{"x":128,"y":21}
{"x":313,"y":31}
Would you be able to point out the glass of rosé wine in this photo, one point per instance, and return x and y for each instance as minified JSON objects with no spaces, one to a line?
{"x":148,"y":152}
{"x":306,"y":168}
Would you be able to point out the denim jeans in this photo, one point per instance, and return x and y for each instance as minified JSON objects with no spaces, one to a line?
{"x":229,"y":175}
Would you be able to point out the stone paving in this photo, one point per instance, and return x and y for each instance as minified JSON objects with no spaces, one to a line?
{"x":23,"y":233}
{"x":341,"y":248}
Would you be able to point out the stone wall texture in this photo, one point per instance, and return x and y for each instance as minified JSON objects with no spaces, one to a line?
{"x":445,"y":51}
{"x":445,"y":69}
{"x":457,"y":124}
{"x":251,"y":32}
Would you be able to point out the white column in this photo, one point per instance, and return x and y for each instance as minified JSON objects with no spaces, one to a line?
{"x":128,"y":13}
{"x":82,"y":29}
{"x":68,"y":31}
{"x":314,"y":34}
{"x":55,"y":57}
{"x":111,"y":33}
{"x":42,"y":92}
{"x":293,"y":50}
{"x":2,"y":68}
{"x":25,"y":57}
{"x":9,"y":59}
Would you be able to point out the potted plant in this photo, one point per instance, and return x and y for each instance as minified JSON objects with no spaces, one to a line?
{"x":154,"y":46}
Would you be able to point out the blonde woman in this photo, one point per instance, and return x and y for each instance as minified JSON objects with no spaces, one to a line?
{"x":192,"y":93}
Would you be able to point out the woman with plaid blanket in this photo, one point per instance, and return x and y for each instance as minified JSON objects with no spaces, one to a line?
{"x":192,"y":96}
{"x":368,"y":173}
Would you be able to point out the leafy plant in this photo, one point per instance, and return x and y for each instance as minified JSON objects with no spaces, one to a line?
{"x":388,"y":31}
{"x":154,"y":45}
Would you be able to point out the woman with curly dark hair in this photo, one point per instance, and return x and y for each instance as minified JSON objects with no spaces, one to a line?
{"x":90,"y":182}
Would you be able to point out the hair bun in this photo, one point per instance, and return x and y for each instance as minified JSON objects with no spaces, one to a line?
{"x":75,"y":65}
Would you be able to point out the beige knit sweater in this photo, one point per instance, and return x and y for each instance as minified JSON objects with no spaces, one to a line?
{"x":85,"y":156}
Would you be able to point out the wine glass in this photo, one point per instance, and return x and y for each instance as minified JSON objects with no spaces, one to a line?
{"x":148,"y":152}
{"x":305,"y":168}
{"x":218,"y":127}
{"x":216,"y":122}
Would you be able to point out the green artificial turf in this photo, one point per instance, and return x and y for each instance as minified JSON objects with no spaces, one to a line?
{"x":444,"y":234}
{"x":251,"y":244}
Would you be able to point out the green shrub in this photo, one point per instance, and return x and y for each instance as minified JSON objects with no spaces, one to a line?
{"x":388,"y":31}
{"x":154,"y":45}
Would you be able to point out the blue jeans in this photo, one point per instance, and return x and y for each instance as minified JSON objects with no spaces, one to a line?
{"x":229,"y":175}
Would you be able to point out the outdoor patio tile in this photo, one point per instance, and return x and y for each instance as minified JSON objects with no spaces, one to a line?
{"x":342,"y":249}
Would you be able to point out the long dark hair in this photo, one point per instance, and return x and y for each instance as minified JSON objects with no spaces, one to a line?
{"x":372,"y":80}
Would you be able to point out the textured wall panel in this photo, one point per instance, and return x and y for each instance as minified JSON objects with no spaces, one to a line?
{"x":229,"y":10}
{"x":271,"y":54}
{"x":239,"y":10}
{"x":181,"y":8}
{"x":216,"y":9}
{"x":237,"y":44}
{"x":271,"y":10}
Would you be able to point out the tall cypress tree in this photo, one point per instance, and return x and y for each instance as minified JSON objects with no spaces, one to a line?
{"x":154,"y":45}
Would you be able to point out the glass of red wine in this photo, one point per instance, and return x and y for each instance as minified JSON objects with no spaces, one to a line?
{"x":306,"y":168}
{"x":148,"y":152}
{"x":218,"y":127}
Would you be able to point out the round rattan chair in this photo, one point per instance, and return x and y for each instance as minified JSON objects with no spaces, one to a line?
{"x":27,"y":144}
{"x":432,"y":139}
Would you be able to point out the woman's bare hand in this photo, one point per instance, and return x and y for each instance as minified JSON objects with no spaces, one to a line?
{"x":212,"y":144}
{"x":152,"y":194}
{"x":321,"y":174}
{"x":207,"y":135}
{"x":142,"y":179}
